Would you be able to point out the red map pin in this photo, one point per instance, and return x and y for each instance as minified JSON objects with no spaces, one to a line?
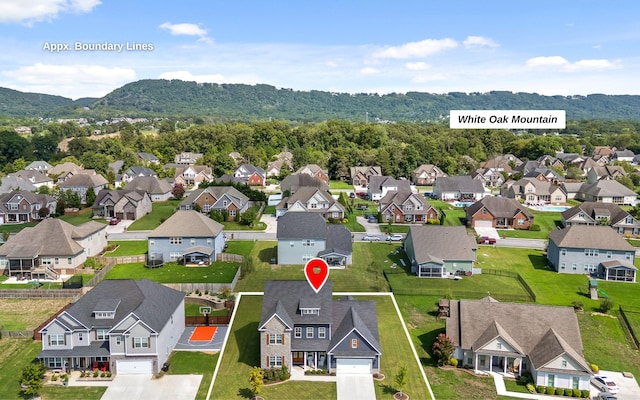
{"x":317,"y":272}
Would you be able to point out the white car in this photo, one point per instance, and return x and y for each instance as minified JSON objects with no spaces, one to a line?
{"x":605,"y":384}
{"x":396,"y":237}
{"x":371,"y":238}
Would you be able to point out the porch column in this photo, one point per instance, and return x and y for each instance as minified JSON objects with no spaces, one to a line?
{"x":504,"y":364}
{"x":491,"y":363}
{"x":315,"y":360}
{"x":475,"y":361}
{"x":520,"y":367}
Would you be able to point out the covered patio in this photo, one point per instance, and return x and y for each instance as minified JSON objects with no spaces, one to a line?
{"x":506,"y":364}
{"x":616,"y":270}
{"x":198,"y":255}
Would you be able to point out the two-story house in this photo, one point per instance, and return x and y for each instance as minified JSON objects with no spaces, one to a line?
{"x":250,"y":175}
{"x":597,"y":250}
{"x":534,"y":191}
{"x":132,"y":172}
{"x":599,"y":213}
{"x":187,"y":158}
{"x":303,"y":236}
{"x":158,"y":189}
{"x":360,"y":175}
{"x":193,"y":175}
{"x":462,"y":188}
{"x":20,"y":206}
{"x":379,"y":186}
{"x":125,"y":326}
{"x":51,"y":248}
{"x":223,"y":198}
{"x":426,"y":174}
{"x":186,"y":236}
{"x":292,"y":183}
{"x":36,"y":178}
{"x":311,"y":199}
{"x":302,"y":328}
{"x":406,"y":206}
{"x":498,"y":212}
{"x":40,"y":166}
{"x":123,"y":204}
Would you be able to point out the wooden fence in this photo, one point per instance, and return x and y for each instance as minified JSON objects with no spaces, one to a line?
{"x":16,"y":334}
{"x":213,"y":320}
{"x":40,"y":293}
{"x":629,"y":327}
{"x":109,"y":263}
{"x":229,"y":257}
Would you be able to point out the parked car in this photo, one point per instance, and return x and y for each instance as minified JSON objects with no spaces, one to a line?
{"x":114,"y":221}
{"x":396,"y":237}
{"x":605,"y":384}
{"x":362,"y":207}
{"x":373,"y":220}
{"x":605,"y":396}
{"x":352,"y":195}
{"x":487,"y":240}
{"x":371,"y":238}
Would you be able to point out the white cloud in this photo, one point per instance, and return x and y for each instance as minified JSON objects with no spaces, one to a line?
{"x":563,"y":64}
{"x":189,"y":77}
{"x":369,"y":71}
{"x":184,"y":29}
{"x":430,"y":78}
{"x":417,"y":49}
{"x":29,"y":11}
{"x":479,"y":41}
{"x":69,"y":80}
{"x":552,"y":61}
{"x":417,"y":66}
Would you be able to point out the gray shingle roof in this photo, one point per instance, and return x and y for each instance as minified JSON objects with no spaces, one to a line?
{"x":149,"y":184}
{"x":188,"y":224}
{"x":606,"y":188}
{"x":616,"y":213}
{"x":442,"y":242}
{"x":302,"y":225}
{"x":460,"y":183}
{"x":84,"y":180}
{"x":349,"y":315}
{"x":377,"y":183}
{"x":293,"y":182}
{"x":589,"y":237}
{"x":152,"y":302}
{"x":51,"y":237}
{"x":289,"y":294}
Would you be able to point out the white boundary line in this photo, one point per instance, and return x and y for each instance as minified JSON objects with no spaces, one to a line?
{"x":395,"y":304}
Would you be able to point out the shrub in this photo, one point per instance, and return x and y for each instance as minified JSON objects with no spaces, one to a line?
{"x":527,"y":376}
{"x":534,"y":227}
{"x":595,"y":368}
{"x":64,"y":377}
{"x":550,"y":390}
{"x":585,"y":394}
{"x":96,"y":373}
{"x":559,"y":391}
{"x":541,"y":389}
{"x":568,"y":392}
{"x":575,"y":393}
{"x":285,"y":373}
{"x":453,"y":362}
{"x":83,"y":374}
{"x":606,"y":305}
{"x":530,"y":388}
{"x":577,"y":305}
{"x":54,"y":377}
{"x":108,"y":374}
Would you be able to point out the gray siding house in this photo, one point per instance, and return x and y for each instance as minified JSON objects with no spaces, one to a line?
{"x":186,"y":236}
{"x":300,"y":327}
{"x":437,"y":251}
{"x":303,"y":236}
{"x":124,"y":326}
{"x":596,"y":250}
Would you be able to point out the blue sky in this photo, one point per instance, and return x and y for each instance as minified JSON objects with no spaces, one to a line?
{"x":549,"y":47}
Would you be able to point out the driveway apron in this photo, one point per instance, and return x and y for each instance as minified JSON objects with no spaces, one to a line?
{"x":355,"y":387}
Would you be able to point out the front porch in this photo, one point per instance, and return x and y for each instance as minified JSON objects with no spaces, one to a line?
{"x":507,"y":365}
{"x":310,"y":359}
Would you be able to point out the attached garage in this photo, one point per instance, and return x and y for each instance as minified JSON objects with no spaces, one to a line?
{"x":134,"y":367}
{"x":483,"y":223}
{"x":346,"y":366}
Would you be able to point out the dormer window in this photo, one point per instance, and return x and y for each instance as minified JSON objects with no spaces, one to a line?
{"x":106,"y":309}
{"x":310,"y":311}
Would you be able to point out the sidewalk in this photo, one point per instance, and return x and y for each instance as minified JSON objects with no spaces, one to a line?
{"x":502,"y":391}
{"x":297,"y":374}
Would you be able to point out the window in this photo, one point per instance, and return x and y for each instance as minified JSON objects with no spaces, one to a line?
{"x":563,"y":252}
{"x":140,"y":342}
{"x":174,"y":255}
{"x":321,"y":333}
{"x":499,"y":346}
{"x":627,"y":255}
{"x":608,"y":254}
{"x":232,"y":213}
{"x":297,"y":332}
{"x":275,"y":361}
{"x":313,"y":205}
{"x":629,"y":220}
{"x":563,"y":266}
{"x":56,"y":260}
{"x":118,"y":340}
{"x":152,"y":242}
{"x":307,"y":242}
{"x":101,"y":334}
{"x":175,"y":240}
{"x":354,"y":343}
{"x":574,"y":266}
{"x":80,"y":336}
{"x":591,"y":252}
{"x":207,"y":207}
{"x":484,"y":211}
{"x":54,"y":362}
{"x":575,"y":382}
{"x":310,"y":311}
{"x":275,"y":338}
{"x":309,"y":332}
{"x":564,"y":363}
{"x":193,"y":242}
{"x":209,"y":241}
{"x":408,"y":207}
{"x":56,"y":340}
{"x":551,"y":380}
{"x":520,"y":221}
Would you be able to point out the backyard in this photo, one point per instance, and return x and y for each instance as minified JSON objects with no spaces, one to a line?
{"x":27,"y":314}
{"x":243,"y":351}
{"x":217,"y":272}
{"x":159,"y":213}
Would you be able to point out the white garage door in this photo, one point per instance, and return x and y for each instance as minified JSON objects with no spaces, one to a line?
{"x":484,"y":223}
{"x":346,"y":366}
{"x":139,"y":367}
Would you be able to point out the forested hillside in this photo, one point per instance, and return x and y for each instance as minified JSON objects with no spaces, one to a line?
{"x":237,"y":102}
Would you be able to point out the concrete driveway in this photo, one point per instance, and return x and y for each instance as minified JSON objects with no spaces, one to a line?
{"x":629,"y":389}
{"x":142,"y":387}
{"x":355,"y":387}
{"x":490,"y":232}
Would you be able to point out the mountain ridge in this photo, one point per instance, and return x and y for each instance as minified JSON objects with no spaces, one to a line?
{"x":157,"y":97}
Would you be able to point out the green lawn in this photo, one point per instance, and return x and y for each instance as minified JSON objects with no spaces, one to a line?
{"x":340,"y":185}
{"x":218,"y":272}
{"x":84,"y":216}
{"x":269,"y":210}
{"x":128,"y":248}
{"x":546,"y":220}
{"x":193,"y":310}
{"x":243,"y":350}
{"x":394,"y":228}
{"x":364,"y":275}
{"x":353,"y":225}
{"x":236,"y":226}
{"x":189,"y":363}
{"x":15,"y":228}
{"x":15,"y":354}
{"x":240,"y":247}
{"x":160,"y":212}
